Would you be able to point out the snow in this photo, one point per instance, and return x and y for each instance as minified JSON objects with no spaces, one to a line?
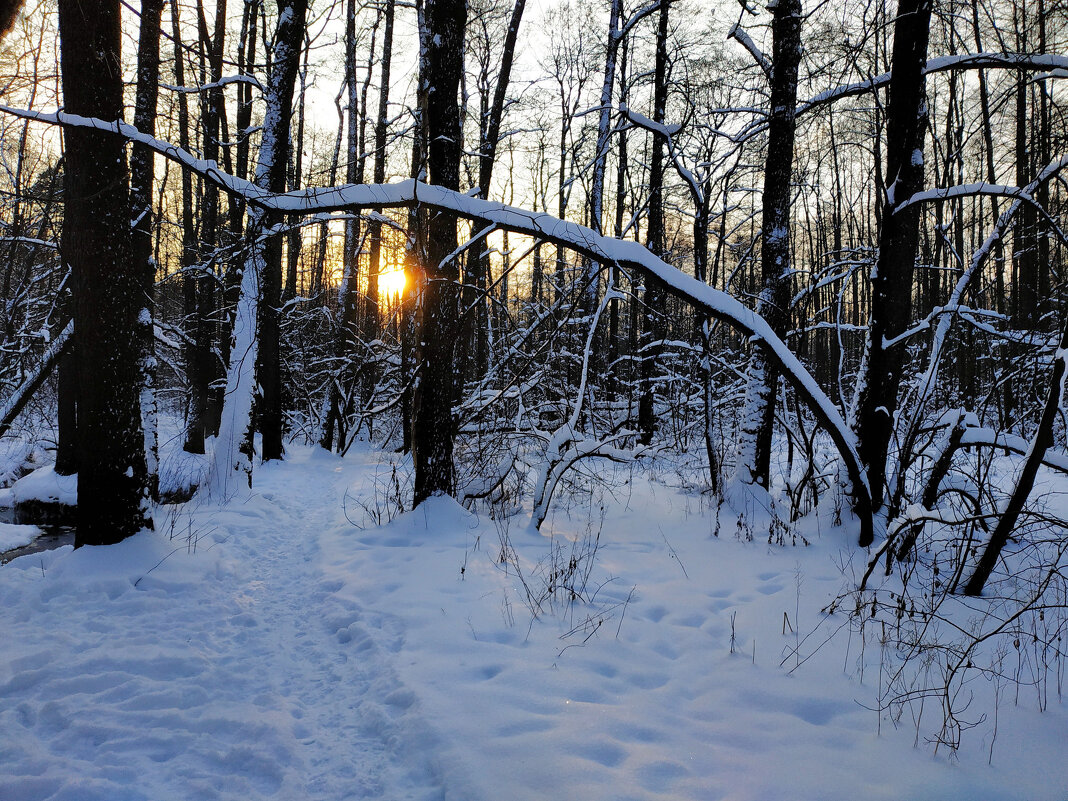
{"x":285,"y":646}
{"x":962,"y":61}
{"x":667,"y":131}
{"x":15,"y":536}
{"x":736,"y":32}
{"x":46,"y":486}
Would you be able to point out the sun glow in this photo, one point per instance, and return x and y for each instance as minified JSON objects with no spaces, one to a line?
{"x":391,"y":283}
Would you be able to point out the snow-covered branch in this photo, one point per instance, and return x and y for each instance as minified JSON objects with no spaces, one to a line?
{"x":585,"y":241}
{"x":637,"y":17}
{"x":965,"y":61}
{"x":18,"y":400}
{"x":746,"y":41}
{"x":222,"y":82}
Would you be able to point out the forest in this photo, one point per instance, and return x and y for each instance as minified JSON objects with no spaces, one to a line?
{"x":805,"y":262}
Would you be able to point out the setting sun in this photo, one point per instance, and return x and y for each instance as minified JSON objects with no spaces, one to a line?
{"x":391,"y":282}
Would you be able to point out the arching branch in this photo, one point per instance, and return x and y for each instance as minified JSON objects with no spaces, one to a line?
{"x":585,"y":241}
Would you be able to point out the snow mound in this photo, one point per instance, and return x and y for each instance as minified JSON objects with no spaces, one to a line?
{"x":45,"y":485}
{"x":14,"y":536}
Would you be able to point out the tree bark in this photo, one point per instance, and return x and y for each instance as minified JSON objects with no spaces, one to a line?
{"x":107,"y":285}
{"x":195,"y":352}
{"x":653,"y":325}
{"x":370,"y":314}
{"x":348,"y":309}
{"x":891,"y":292}
{"x":489,"y":141}
{"x":271,"y":174}
{"x":211,"y":115}
{"x":141,"y":181}
{"x":255,"y":341}
{"x":433,"y":428}
{"x":758,"y":421}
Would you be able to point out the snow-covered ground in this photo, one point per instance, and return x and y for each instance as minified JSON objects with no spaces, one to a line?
{"x":285,"y":646}
{"x":14,"y":536}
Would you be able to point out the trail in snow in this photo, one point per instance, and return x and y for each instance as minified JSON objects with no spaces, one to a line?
{"x":309,"y":647}
{"x":235,"y":672}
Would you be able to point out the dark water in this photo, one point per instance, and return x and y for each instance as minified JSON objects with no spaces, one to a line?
{"x":52,"y":537}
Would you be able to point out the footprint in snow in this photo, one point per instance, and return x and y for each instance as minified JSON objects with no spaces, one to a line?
{"x":603,"y":753}
{"x":658,"y":777}
{"x":656,"y":614}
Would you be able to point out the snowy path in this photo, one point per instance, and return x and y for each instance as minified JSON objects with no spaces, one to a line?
{"x":254,"y":679}
{"x":304,"y":652}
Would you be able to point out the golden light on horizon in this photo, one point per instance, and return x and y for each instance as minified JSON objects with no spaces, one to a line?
{"x":391,"y":283}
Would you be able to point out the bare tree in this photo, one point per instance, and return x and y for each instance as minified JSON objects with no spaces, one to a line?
{"x":891,"y":301}
{"x":758,"y":417}
{"x":433,"y":429}
{"x":108,"y":286}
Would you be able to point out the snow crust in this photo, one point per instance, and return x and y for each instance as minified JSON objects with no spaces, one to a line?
{"x":285,"y":646}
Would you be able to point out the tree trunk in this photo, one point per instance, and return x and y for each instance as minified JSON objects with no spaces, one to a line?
{"x":489,"y":140}
{"x":141,"y":180}
{"x":212,"y":110}
{"x":653,"y":325}
{"x":107,"y":285}
{"x":294,"y":237}
{"x":195,"y":352}
{"x":758,"y":420}
{"x":433,"y":429}
{"x":370,"y":313}
{"x":891,"y":292}
{"x":348,"y":312}
{"x":261,"y":280}
{"x":271,"y":174}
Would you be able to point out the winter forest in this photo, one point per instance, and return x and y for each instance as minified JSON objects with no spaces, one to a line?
{"x":588,"y":399}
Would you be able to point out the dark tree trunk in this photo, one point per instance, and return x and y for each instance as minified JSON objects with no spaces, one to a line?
{"x":67,"y":412}
{"x":141,"y":180}
{"x":271,"y":175}
{"x":295,"y":237}
{"x":243,"y":119}
{"x":212,"y":111}
{"x":107,"y":285}
{"x":413,"y":260}
{"x":348,"y":313}
{"x":754,"y":439}
{"x":653,"y":326}
{"x":1025,"y":250}
{"x":196,"y":352}
{"x":620,"y":206}
{"x":489,"y":140}
{"x":432,"y":425}
{"x":370,"y":314}
{"x":891,"y":292}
